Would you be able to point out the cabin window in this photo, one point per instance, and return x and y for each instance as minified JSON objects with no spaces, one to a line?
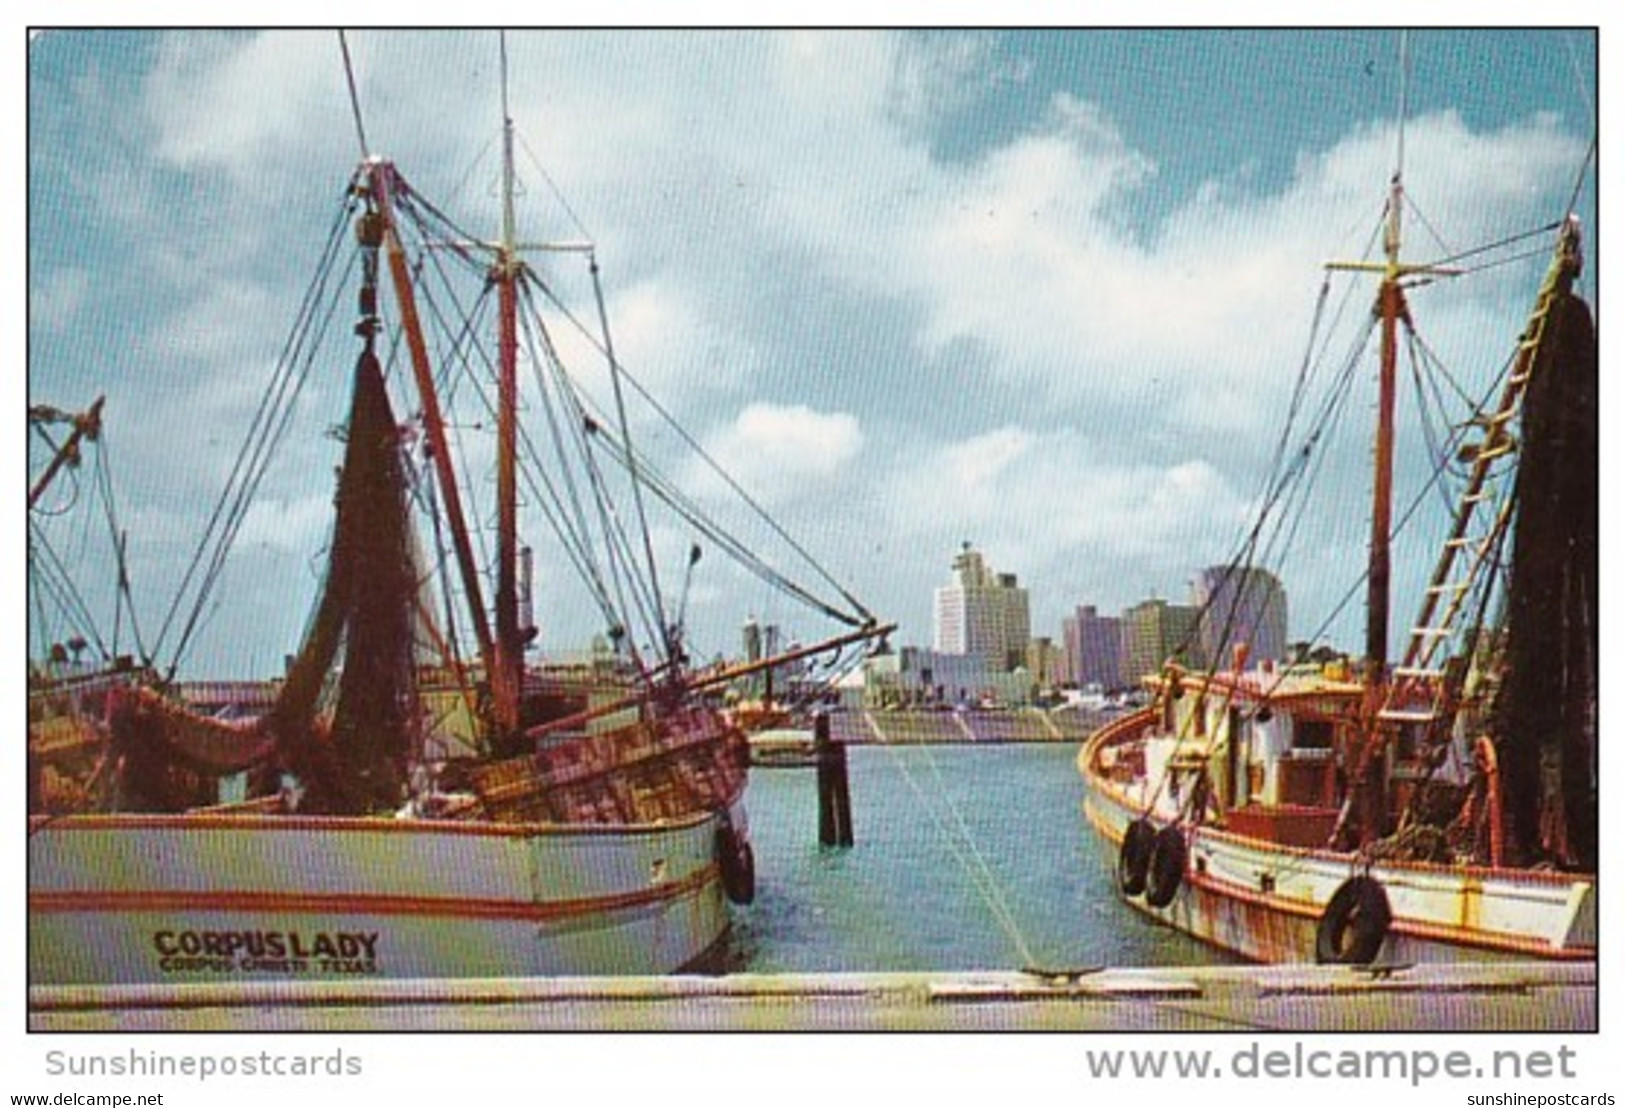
{"x":1312,"y":734}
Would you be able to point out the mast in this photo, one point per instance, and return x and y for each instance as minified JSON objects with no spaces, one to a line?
{"x":1391,"y":311}
{"x":1390,"y":306}
{"x":382,"y":183}
{"x":508,"y":662}
{"x":499,"y":654}
{"x":1367,"y":799}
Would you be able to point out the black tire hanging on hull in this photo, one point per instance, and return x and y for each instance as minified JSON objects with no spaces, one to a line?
{"x":1167,"y":867}
{"x":1134,"y":857}
{"x":737,"y":861}
{"x":1355,"y":923}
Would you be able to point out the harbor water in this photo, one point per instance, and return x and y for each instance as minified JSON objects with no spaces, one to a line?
{"x":967,"y":857}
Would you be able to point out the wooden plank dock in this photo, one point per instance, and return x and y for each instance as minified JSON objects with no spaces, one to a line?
{"x":1545,"y":997}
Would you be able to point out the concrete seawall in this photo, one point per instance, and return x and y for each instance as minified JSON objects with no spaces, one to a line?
{"x":1460,"y":997}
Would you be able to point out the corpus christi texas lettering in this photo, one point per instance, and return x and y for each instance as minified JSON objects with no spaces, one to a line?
{"x":288,"y":952}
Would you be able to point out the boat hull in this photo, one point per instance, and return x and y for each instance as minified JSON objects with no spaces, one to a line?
{"x":210,"y":897}
{"x":1265,"y":901}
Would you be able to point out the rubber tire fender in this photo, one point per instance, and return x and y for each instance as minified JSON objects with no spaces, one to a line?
{"x":1167,"y":867}
{"x":1134,"y":857}
{"x":1355,"y":923}
{"x":737,"y":861}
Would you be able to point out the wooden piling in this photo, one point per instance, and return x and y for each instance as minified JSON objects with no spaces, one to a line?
{"x":834,"y":798}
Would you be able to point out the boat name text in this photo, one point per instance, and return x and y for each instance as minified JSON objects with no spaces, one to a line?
{"x":275,"y":952}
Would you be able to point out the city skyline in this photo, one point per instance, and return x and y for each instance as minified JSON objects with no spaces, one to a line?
{"x":1228,"y":606}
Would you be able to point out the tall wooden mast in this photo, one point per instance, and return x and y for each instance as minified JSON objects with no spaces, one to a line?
{"x":1391,"y":311}
{"x":508,"y":663}
{"x":382,"y":183}
{"x":1390,"y":306}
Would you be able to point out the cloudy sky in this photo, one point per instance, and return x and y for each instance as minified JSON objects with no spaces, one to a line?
{"x":1043,"y":291}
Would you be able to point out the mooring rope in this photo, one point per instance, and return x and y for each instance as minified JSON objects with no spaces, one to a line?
{"x":966,"y":852}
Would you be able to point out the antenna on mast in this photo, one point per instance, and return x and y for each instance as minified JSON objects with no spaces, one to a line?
{"x":507,"y":155}
{"x":1404,"y":98}
{"x":1396,"y":195}
{"x":355,"y":100}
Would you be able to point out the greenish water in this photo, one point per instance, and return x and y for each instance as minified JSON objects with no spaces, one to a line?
{"x":959,"y":850}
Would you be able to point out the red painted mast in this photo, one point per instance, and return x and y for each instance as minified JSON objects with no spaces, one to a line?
{"x":382,"y":182}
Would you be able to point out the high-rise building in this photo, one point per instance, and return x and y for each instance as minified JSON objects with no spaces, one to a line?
{"x":983,"y":613}
{"x":761,"y":641}
{"x":1094,"y":648}
{"x":1154,"y":631}
{"x":1241,"y":606}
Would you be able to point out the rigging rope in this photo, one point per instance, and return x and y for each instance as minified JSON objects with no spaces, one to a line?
{"x":459,"y":244}
{"x":464,"y":350}
{"x":553,"y":186}
{"x":54,"y":577}
{"x":438,"y":239}
{"x":49,"y":572}
{"x":562,"y":395}
{"x":1583,"y":171}
{"x":355,"y":100}
{"x":124,"y":600}
{"x":266,"y":429}
{"x":553,"y":503}
{"x":1499,"y":244}
{"x":615,"y":376}
{"x":862,"y":614}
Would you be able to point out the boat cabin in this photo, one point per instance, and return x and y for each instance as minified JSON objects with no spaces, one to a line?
{"x":1265,"y":742}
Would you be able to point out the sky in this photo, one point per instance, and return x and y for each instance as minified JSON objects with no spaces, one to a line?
{"x":1046,"y":292}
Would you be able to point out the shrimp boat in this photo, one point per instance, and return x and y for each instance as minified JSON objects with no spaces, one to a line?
{"x":343,"y":832}
{"x":1439,"y":808}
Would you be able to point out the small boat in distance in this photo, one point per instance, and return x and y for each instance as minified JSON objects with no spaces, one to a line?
{"x":594,"y":828}
{"x":1440,"y":807}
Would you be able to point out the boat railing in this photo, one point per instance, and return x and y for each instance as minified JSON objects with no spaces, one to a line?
{"x":1123,"y":729}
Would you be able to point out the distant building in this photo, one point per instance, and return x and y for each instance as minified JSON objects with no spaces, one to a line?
{"x":1154,"y":631}
{"x":1094,"y":648}
{"x":759,"y":641}
{"x":1241,"y":606}
{"x":983,"y":613}
{"x":1047,"y":663}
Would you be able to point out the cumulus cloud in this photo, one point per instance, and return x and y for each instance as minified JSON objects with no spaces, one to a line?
{"x":1051,"y":498}
{"x":237,"y":102}
{"x":781,"y":453}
